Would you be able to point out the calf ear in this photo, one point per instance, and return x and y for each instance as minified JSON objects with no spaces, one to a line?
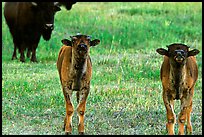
{"x":162,"y":51}
{"x":193,"y":52}
{"x":95,"y":42}
{"x":66,"y":42}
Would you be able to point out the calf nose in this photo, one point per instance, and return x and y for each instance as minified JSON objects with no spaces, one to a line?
{"x":49,"y":26}
{"x":83,"y":46}
{"x":179,"y":52}
{"x":179,"y":57}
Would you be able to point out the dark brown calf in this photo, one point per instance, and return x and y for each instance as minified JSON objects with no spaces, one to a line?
{"x":75,"y":71}
{"x":178,"y":74}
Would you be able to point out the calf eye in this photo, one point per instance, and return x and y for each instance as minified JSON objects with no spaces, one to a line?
{"x":182,"y":52}
{"x":73,"y":41}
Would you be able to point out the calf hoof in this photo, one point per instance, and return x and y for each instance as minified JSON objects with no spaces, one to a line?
{"x":188,"y":131}
{"x":68,"y":133}
{"x":81,"y":133}
{"x":63,"y":128}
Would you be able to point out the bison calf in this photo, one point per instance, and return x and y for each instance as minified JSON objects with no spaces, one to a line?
{"x":75,"y":71}
{"x":178,"y":74}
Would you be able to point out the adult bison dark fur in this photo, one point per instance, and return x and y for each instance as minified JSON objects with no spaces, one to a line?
{"x":67,"y":5}
{"x":27,"y":21}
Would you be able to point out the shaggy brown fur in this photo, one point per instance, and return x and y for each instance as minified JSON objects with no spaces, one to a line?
{"x":75,"y":71}
{"x":178,"y":74}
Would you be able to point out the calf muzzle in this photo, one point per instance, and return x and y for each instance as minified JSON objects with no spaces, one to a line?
{"x":82,"y":49}
{"x":180,"y":56}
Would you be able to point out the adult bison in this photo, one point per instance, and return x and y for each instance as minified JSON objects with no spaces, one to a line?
{"x":27,"y":21}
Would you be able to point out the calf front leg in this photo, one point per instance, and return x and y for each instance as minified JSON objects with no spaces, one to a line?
{"x":186,"y":107}
{"x":81,"y":98}
{"x":69,"y":111}
{"x":189,"y":128}
{"x":171,"y":117}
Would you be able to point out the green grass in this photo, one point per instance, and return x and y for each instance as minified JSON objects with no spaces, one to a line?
{"x":126,"y":91}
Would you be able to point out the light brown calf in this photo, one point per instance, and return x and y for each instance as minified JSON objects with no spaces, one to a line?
{"x":178,"y":74}
{"x":75,"y":71}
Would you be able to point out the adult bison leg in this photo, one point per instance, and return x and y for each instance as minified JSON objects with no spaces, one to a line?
{"x":22,"y":56}
{"x":171,"y":117}
{"x":69,"y":110}
{"x":14,"y":53}
{"x":28,"y":53}
{"x":16,"y":45}
{"x":33,"y":57}
{"x":81,"y":99}
{"x":16,"y":40}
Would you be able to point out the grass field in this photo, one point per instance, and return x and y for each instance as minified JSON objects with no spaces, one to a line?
{"x":126,"y":91}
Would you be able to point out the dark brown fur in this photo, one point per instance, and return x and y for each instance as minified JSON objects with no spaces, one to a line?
{"x":178,"y":74}
{"x":27,"y":22}
{"x":67,"y":5}
{"x":75,"y":71}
